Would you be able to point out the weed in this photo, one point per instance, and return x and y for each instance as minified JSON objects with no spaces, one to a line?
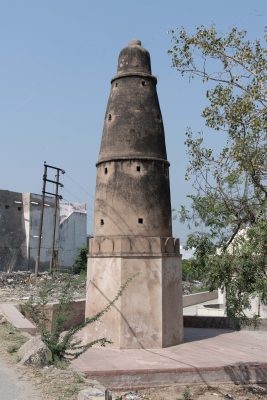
{"x":13,"y":348}
{"x":78,"y":378}
{"x":64,"y":347}
{"x":18,"y":358}
{"x":186,"y":394}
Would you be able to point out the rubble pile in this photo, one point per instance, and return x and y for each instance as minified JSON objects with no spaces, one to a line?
{"x":20,"y":285}
{"x":190,"y":287}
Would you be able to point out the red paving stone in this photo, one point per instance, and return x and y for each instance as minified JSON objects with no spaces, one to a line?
{"x":207,"y":355}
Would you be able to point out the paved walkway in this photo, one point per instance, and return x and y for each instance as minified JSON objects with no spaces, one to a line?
{"x":208,"y":355}
{"x":12,"y":387}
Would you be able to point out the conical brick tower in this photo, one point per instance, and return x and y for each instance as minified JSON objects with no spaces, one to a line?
{"x":132,"y":225}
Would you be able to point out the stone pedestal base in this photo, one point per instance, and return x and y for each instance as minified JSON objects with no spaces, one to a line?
{"x":149,"y":313}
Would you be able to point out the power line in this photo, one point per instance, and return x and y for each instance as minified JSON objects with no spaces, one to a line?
{"x":81,"y":187}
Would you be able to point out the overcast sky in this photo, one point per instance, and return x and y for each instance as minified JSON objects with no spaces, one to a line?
{"x":56,"y":61}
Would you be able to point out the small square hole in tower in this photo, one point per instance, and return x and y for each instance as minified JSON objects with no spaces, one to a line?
{"x":143,"y":83}
{"x":106,"y":170}
{"x":109,"y":117}
{"x":140,"y":220}
{"x":101,"y":222}
{"x":138,"y":168}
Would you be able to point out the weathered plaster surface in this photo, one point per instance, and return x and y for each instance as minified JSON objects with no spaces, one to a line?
{"x":132,"y":224}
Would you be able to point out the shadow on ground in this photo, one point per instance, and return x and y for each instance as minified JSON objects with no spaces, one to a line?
{"x":194,"y":334}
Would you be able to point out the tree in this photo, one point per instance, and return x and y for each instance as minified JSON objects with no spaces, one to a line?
{"x":228,"y":207}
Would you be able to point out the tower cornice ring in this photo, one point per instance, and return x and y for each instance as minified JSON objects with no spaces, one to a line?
{"x":138,"y":74}
{"x":133,"y":158}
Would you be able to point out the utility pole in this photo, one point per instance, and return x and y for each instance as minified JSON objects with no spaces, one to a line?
{"x":53,"y":255}
{"x":57,"y":197}
{"x":37,"y":262}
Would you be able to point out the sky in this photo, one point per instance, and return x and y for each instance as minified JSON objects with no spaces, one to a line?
{"x":56,"y":61}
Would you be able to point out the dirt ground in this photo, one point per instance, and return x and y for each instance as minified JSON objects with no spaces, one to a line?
{"x":201,"y":392}
{"x":52,"y":383}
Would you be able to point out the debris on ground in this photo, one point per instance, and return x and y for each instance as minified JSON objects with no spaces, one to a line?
{"x":19,"y":286}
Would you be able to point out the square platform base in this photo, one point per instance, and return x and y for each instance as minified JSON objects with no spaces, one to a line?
{"x":149,"y":313}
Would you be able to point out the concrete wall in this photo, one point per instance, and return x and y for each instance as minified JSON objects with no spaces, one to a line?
{"x":13,"y":245}
{"x":196,"y":298}
{"x":75,"y":314}
{"x":72,"y":232}
{"x":34,"y":204}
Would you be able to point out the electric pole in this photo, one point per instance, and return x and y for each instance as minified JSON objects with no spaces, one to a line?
{"x":57,"y":198}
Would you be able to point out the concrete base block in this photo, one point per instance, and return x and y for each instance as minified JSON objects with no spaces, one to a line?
{"x":149,"y":312}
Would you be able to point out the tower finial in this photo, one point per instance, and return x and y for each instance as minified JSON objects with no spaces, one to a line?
{"x":135,"y":42}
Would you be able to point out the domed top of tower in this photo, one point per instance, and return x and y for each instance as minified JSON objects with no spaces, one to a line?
{"x":134,"y":58}
{"x":133,"y":127}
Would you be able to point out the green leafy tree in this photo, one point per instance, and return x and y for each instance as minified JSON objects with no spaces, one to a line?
{"x":228,"y":207}
{"x":190,"y":271}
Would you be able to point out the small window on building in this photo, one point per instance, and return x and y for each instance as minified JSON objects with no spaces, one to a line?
{"x":106,"y":170}
{"x":143,"y":83}
{"x":109,"y":117}
{"x":138,"y":168}
{"x":116,"y":84}
{"x":140,"y":220}
{"x":19,"y":208}
{"x":101,"y":222}
{"x":6,"y":207}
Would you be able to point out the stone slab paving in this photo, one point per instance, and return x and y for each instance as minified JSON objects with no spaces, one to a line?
{"x":207,"y":355}
{"x":15,"y":317}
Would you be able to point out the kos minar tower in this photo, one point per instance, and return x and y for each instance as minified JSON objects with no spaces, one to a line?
{"x":132,"y":221}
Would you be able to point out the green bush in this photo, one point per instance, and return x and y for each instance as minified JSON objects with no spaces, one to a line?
{"x":80,"y":263}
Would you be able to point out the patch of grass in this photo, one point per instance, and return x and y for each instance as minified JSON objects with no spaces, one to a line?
{"x":78,"y":378}
{"x":186,"y":394}
{"x":200,"y":289}
{"x":61,"y":364}
{"x":13,"y":348}
{"x":10,"y":340}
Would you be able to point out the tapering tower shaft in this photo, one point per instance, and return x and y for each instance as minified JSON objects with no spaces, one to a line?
{"x":132,"y":223}
{"x":132,"y":192}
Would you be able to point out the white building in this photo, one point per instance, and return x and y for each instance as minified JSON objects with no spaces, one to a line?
{"x":19,"y":230}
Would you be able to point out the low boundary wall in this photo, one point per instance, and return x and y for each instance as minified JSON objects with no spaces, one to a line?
{"x":195,"y":321}
{"x":201,"y":297}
